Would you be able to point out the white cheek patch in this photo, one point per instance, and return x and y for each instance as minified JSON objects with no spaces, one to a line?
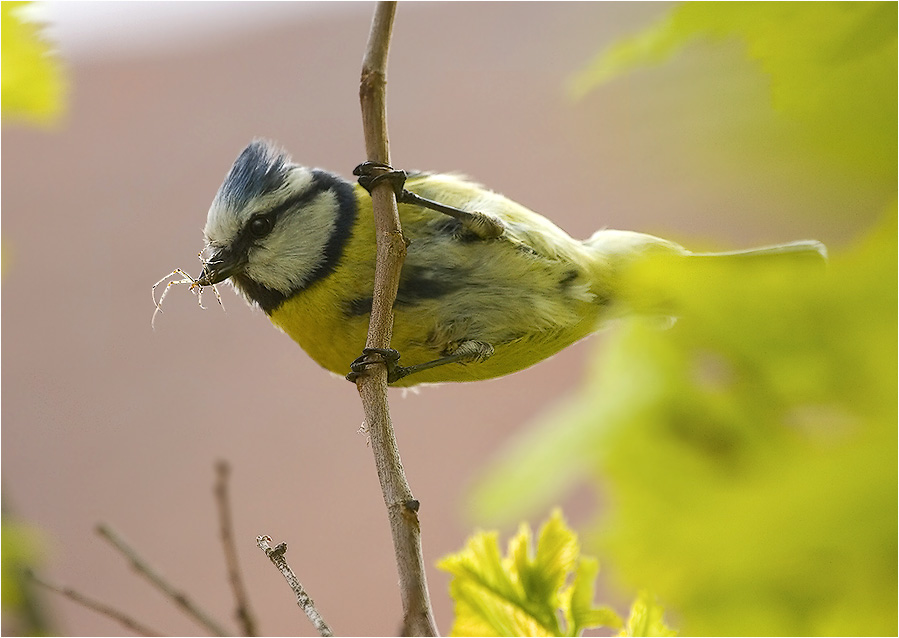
{"x":289,"y":257}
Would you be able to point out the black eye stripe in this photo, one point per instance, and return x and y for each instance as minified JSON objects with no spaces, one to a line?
{"x":297,"y":201}
{"x":246,"y":239}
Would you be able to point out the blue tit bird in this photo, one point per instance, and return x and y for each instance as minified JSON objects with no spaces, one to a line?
{"x":488,"y":287}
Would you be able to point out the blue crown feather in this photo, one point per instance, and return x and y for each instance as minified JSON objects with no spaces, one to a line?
{"x":260,"y":168}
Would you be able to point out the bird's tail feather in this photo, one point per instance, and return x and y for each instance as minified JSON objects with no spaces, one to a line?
{"x":802,"y":249}
{"x":627,"y":265}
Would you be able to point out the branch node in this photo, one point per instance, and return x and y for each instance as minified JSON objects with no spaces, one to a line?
{"x":371,"y":80}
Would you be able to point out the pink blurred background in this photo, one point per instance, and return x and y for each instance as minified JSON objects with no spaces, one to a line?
{"x":107,"y":420}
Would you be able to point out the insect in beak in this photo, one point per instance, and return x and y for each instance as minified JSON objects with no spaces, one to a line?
{"x":219,"y":267}
{"x":207,"y":278}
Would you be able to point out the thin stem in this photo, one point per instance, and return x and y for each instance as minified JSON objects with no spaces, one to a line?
{"x":276,"y":555}
{"x":243,"y":612}
{"x":125,"y":620}
{"x":402,"y":508}
{"x":142,"y":568}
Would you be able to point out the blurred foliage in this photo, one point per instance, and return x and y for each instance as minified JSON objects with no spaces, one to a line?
{"x":528,"y":593}
{"x":832,"y":69}
{"x":32,"y":91}
{"x":748,"y":454}
{"x":23,"y":549}
{"x":746,"y":457}
{"x":33,"y":84}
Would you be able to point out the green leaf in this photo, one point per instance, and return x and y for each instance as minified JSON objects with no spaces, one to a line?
{"x":646,"y":618}
{"x":524,"y":593}
{"x":33,"y":85}
{"x":577,"y":601}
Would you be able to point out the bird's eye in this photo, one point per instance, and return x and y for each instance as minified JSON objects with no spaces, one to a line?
{"x":261,"y":226}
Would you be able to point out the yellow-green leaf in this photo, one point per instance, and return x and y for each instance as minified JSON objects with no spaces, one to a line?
{"x":577,"y":601}
{"x":33,"y":85}
{"x":525,"y":593}
{"x":646,"y":618}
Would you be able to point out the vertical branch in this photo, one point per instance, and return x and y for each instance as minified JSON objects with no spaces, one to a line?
{"x":402,"y":508}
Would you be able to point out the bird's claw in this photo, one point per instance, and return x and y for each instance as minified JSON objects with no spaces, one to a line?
{"x":387,"y":356}
{"x":370,"y":174}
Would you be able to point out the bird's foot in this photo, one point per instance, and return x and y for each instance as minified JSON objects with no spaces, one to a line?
{"x":387,"y":356}
{"x":371,"y":174}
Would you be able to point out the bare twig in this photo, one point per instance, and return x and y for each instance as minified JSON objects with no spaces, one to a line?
{"x":142,"y":568}
{"x":276,"y":555}
{"x":125,"y":620}
{"x":402,"y":508}
{"x":243,"y":612}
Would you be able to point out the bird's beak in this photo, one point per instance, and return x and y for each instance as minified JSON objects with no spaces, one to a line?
{"x":220,"y":266}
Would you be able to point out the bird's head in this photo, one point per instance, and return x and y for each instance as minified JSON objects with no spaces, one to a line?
{"x":275,"y":227}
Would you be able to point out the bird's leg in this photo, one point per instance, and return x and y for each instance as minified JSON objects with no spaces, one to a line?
{"x":467,"y":352}
{"x":481,"y":225}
